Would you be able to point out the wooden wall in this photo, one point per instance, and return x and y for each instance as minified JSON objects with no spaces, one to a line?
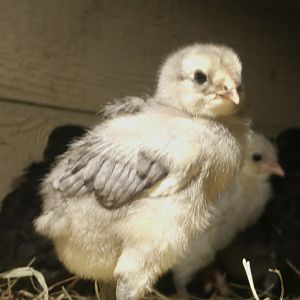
{"x":61,"y":59}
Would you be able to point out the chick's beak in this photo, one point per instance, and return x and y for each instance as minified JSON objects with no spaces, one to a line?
{"x":273,"y":168}
{"x":231,"y":95}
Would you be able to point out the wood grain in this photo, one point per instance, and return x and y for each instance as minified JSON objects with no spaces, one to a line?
{"x":81,"y":53}
{"x":60,"y":60}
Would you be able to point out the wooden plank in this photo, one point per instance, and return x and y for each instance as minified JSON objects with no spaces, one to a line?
{"x":24,"y":132}
{"x":81,"y":53}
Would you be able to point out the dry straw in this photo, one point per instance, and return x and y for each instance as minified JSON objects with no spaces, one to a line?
{"x":63,"y":290}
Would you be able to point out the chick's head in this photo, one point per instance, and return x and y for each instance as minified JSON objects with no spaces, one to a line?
{"x":202,"y":79}
{"x":262,"y":160}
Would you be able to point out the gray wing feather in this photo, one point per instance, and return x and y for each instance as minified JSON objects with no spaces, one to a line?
{"x":114,"y":178}
{"x":128,"y":105}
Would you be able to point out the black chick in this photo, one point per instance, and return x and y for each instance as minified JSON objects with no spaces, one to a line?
{"x":19,"y":241}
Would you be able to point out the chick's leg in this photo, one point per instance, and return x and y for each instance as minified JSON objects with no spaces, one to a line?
{"x":135,"y":272}
{"x":181,"y":281}
{"x":126,"y":291}
{"x":123,"y":291}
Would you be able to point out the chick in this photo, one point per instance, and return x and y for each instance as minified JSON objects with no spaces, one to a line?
{"x":274,"y":241}
{"x":123,"y":203}
{"x":237,"y":209}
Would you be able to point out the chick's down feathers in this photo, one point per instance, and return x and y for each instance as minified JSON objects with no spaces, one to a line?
{"x":123,"y":202}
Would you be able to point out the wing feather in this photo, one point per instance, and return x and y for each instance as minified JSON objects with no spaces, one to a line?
{"x":107,"y":171}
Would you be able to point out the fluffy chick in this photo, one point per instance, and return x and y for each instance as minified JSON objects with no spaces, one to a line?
{"x":125,"y":200}
{"x":237,"y":209}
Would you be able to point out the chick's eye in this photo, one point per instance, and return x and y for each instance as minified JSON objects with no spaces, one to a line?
{"x":256,"y":157}
{"x":200,"y":77}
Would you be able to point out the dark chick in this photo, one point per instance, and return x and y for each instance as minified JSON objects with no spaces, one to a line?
{"x":19,"y":241}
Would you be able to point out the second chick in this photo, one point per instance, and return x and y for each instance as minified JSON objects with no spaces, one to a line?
{"x":237,"y":209}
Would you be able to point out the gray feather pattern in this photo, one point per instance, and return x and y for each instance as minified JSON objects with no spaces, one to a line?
{"x":129,"y":105}
{"x":104,"y":169}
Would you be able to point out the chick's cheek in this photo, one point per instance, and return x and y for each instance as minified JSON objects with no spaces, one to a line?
{"x":191,"y":102}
